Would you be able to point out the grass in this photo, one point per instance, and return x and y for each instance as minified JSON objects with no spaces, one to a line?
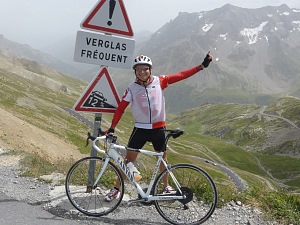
{"x":281,"y":206}
{"x":214,"y":134}
{"x":282,"y":167}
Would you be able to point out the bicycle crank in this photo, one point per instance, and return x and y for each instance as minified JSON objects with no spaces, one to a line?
{"x":188,"y":193}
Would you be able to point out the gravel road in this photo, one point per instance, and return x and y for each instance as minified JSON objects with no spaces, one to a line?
{"x":52,"y":198}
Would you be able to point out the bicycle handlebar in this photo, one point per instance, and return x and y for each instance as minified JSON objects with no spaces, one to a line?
{"x":174,"y":133}
{"x":113,"y":139}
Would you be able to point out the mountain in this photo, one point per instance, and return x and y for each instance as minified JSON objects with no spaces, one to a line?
{"x":29,"y":53}
{"x":40,"y":75}
{"x":256,"y":54}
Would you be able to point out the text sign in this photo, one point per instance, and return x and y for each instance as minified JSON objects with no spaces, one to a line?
{"x":105,"y":50}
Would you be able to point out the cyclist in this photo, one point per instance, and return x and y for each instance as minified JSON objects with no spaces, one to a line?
{"x":148,"y":110}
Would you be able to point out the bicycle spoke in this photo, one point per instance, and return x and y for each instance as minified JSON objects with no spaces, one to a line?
{"x":200,"y":192}
{"x":87,"y":199}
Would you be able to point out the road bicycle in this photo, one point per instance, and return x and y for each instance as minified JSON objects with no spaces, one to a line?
{"x":91,"y":178}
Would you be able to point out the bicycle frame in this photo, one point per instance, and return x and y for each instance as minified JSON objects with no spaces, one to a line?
{"x":113,"y":154}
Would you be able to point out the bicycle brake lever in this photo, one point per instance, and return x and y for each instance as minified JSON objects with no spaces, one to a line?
{"x":89,"y":137}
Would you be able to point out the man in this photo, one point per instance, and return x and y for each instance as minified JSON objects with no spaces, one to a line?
{"x":148,"y":110}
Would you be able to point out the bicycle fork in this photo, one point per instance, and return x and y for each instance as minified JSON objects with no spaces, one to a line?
{"x":91,"y":186}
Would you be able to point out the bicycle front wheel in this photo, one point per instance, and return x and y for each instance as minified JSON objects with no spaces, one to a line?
{"x":199,"y":191}
{"x":84,"y":194}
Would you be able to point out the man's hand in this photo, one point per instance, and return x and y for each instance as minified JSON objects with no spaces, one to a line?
{"x":208,"y":58}
{"x":110,"y":130}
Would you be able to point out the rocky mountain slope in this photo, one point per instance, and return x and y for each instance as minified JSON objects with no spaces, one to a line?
{"x":256,"y":52}
{"x":256,"y":56}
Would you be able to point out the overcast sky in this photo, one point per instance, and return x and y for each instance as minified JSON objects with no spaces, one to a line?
{"x":40,"y":22}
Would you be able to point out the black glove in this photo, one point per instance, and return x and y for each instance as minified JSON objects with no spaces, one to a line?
{"x":207,"y":60}
{"x":110,"y":130}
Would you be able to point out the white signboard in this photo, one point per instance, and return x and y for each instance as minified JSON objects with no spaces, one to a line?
{"x":105,"y":50}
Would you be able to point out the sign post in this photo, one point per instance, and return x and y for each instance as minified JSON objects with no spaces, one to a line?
{"x":93,"y":153}
{"x":107,"y":17}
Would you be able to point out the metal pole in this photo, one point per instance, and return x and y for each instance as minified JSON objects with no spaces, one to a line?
{"x":97,"y":125}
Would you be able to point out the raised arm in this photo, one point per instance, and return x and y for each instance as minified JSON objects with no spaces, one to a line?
{"x":173,"y":78}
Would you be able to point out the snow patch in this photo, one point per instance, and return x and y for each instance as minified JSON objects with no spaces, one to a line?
{"x":252,"y":33}
{"x":207,"y":27}
{"x":200,"y":15}
{"x":223,"y":36}
{"x":266,"y":37}
{"x":236,"y":44}
{"x":284,"y":14}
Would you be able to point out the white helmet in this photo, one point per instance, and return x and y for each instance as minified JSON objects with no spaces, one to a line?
{"x":142,"y":59}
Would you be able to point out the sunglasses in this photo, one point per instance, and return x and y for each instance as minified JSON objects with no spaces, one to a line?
{"x":140,"y":69}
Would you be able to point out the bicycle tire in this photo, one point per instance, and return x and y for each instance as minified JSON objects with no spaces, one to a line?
{"x":200,"y":192}
{"x":87,"y":199}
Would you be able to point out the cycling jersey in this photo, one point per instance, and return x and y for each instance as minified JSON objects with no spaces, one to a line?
{"x":148,"y":102}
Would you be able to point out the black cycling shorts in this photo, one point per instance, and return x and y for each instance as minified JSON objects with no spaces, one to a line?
{"x":140,"y":136}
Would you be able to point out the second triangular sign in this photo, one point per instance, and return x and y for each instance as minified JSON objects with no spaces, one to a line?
{"x":99,"y":96}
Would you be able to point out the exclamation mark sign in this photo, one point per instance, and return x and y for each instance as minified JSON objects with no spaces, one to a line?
{"x":112,"y":4}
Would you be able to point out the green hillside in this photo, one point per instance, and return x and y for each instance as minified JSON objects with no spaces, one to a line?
{"x":246,"y":137}
{"x":229,"y":134}
{"x":240,"y":137}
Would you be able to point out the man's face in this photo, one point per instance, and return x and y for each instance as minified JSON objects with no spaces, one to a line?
{"x":142,"y":72}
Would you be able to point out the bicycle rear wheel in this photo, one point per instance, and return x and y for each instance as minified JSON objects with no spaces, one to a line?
{"x":200,"y":192}
{"x":87,"y":198}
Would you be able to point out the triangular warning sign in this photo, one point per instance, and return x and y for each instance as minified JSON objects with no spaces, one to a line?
{"x":109,"y":16}
{"x":99,"y":96}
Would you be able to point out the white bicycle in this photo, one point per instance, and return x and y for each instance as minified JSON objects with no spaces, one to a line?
{"x":91,"y":178}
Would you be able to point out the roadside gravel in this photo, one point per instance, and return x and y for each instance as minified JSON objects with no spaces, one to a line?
{"x":53,"y":199}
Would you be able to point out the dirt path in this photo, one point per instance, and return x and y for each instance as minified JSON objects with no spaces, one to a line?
{"x":16,"y":134}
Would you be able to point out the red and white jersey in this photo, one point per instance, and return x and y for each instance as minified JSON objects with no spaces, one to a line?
{"x":148,"y":103}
